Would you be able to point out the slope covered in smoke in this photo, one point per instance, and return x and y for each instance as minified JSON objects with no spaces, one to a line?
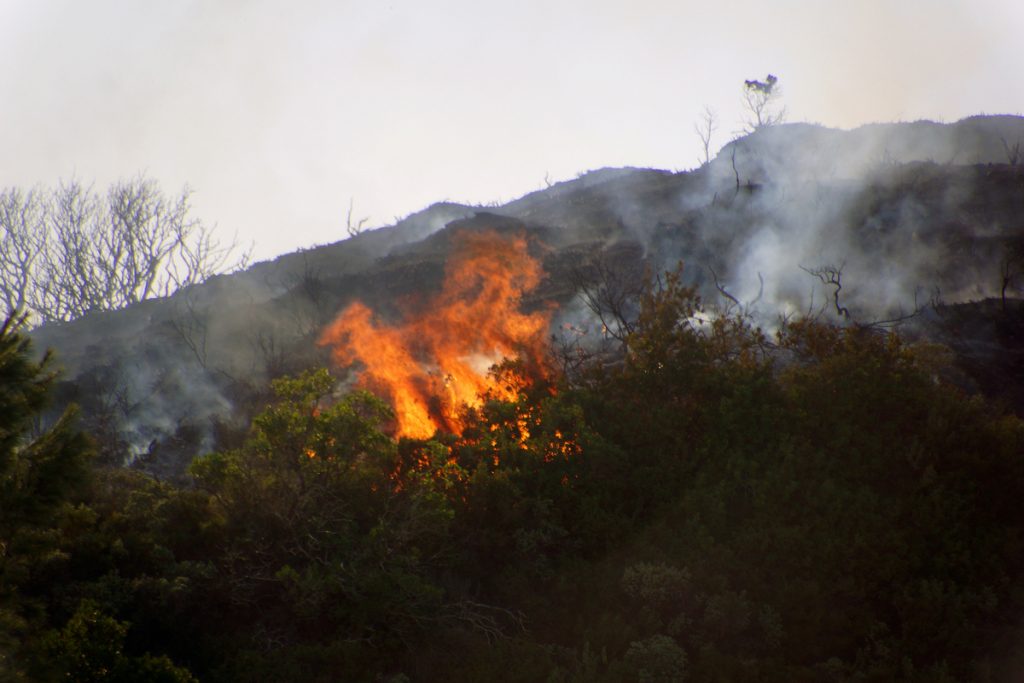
{"x":904,"y":214}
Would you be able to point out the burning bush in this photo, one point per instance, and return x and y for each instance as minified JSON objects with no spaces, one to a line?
{"x":435,"y":362}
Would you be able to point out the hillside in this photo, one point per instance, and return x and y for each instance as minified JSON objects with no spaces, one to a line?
{"x":523,"y":443}
{"x":913,"y":213}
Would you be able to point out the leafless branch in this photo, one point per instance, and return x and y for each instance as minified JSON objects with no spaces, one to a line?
{"x":309,"y":308}
{"x":1010,"y":268}
{"x":485,"y":619}
{"x":831,"y":276}
{"x":357,"y":227}
{"x":705,"y":129}
{"x":611,"y":290}
{"x":191,"y":327}
{"x":21,"y":242}
{"x":1014,"y":151}
{"x":735,"y":171}
{"x":721,"y":289}
{"x":744,"y":310}
{"x":69,"y":251}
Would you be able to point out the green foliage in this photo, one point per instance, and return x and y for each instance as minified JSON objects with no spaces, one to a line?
{"x":715,"y":506}
{"x":830,"y":500}
{"x":329,"y":542}
{"x":657,"y":587}
{"x":40,"y":469}
{"x":657,"y":659}
{"x":90,"y":648}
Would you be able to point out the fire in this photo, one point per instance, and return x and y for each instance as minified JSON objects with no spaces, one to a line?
{"x":436,"y":361}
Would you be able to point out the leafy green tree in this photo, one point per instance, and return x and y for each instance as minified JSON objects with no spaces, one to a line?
{"x":330,"y":543}
{"x":40,"y":469}
{"x":657,"y":659}
{"x":90,"y":648}
{"x":144,"y":552}
{"x":839,"y":510}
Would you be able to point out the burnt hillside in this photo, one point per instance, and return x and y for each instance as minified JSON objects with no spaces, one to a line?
{"x":915,"y":217}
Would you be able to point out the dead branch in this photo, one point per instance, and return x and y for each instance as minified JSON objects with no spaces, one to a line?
{"x":744,"y":309}
{"x":69,"y":251}
{"x":705,"y":129}
{"x":485,"y":619}
{"x":1010,"y":268}
{"x":734,"y":169}
{"x":1013,"y":152}
{"x":356,"y":228}
{"x":611,"y":291}
{"x":831,"y":276}
{"x":722,"y":290}
{"x":191,"y":327}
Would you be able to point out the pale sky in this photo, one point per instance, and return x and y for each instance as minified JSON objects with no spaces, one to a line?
{"x":278,"y":114}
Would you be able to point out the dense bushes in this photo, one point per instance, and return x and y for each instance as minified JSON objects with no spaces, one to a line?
{"x":714,"y":505}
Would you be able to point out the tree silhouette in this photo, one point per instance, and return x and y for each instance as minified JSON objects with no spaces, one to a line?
{"x":760,"y":99}
{"x":69,"y":251}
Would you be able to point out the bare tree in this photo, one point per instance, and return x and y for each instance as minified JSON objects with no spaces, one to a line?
{"x":1010,"y":269}
{"x":193,"y":327}
{"x":831,"y":275}
{"x":705,"y":129}
{"x":70,"y":251}
{"x":1014,"y":151}
{"x":354,"y":229}
{"x":309,"y":305}
{"x":20,"y":245}
{"x":760,"y":98}
{"x":610,"y":285}
{"x":735,"y":306}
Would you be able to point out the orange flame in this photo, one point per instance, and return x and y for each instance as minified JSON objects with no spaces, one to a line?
{"x":436,"y":361}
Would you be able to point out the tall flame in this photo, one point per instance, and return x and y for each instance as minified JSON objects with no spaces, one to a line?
{"x":437,"y":360}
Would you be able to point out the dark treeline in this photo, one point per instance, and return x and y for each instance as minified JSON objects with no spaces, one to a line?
{"x":714,"y":504}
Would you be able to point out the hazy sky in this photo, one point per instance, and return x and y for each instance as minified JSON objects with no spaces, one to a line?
{"x":278,"y":114}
